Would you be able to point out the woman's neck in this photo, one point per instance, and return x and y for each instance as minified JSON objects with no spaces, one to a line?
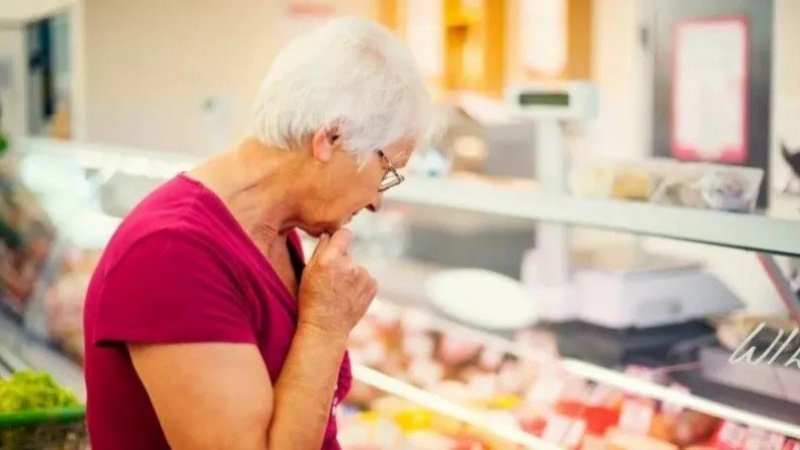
{"x":258,"y":185}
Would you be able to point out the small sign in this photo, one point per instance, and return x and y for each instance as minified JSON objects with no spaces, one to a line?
{"x":564,"y":432}
{"x":672,"y":409}
{"x":546,"y":390}
{"x":636,"y":417}
{"x":732,"y":435}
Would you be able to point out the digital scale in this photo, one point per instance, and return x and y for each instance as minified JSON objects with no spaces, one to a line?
{"x":641,"y":292}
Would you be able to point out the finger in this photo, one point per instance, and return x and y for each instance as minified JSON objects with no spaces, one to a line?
{"x":340,"y":241}
{"x":322,"y":243}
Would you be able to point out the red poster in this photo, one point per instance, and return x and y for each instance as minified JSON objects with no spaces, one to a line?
{"x":709,"y":90}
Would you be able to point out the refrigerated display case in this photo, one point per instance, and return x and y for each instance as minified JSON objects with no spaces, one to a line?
{"x":422,"y":376}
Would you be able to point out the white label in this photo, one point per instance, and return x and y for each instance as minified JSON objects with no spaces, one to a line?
{"x":642,"y":373}
{"x":758,"y":439}
{"x":546,"y":390}
{"x":732,"y":435}
{"x":564,"y":432}
{"x":775,"y":441}
{"x":792,"y":445}
{"x":418,"y":346}
{"x":599,"y":395}
{"x":483,"y":385}
{"x":674,"y":409}
{"x":636,"y":417}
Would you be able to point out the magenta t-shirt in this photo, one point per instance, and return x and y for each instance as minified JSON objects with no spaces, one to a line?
{"x":179,"y":269}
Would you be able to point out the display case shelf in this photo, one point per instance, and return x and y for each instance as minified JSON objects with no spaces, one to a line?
{"x":755,"y":232}
{"x":389,"y":385}
{"x":779,"y":235}
{"x":623,"y":381}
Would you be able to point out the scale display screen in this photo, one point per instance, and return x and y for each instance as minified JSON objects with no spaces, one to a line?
{"x":544,"y":99}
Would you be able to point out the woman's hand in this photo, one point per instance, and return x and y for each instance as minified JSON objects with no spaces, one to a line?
{"x":335,"y":292}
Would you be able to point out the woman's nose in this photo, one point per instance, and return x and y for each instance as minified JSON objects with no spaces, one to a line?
{"x":376,"y":204}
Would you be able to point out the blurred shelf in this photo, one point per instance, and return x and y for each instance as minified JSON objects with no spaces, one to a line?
{"x":755,"y":232}
{"x":629,"y":383}
{"x":109,"y":157}
{"x":27,"y":352}
{"x":437,"y":404}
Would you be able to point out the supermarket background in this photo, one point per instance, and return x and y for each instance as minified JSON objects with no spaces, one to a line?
{"x":627,"y":279}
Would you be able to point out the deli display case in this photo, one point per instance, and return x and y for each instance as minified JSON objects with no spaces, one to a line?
{"x":439,"y":363}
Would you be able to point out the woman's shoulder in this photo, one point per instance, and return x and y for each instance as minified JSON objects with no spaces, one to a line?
{"x":176,"y":221}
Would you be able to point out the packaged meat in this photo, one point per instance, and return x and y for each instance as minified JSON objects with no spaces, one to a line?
{"x":692,"y":428}
{"x":456,"y":350}
{"x":427,"y":440}
{"x":510,"y":378}
{"x":425,"y":372}
{"x":619,"y":440}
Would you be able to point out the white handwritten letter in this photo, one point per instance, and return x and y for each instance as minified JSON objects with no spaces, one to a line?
{"x":786,"y":343}
{"x":748,"y":355}
{"x":795,"y":359}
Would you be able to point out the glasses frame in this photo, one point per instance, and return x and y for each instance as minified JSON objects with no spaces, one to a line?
{"x":392,"y":177}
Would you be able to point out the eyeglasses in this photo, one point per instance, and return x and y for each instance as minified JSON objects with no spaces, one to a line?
{"x":392,"y":177}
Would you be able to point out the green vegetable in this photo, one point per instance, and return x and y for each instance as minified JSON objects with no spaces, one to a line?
{"x":29,"y":390}
{"x":25,"y":392}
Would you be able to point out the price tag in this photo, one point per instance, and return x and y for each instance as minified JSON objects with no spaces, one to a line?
{"x":674,"y":409}
{"x":425,"y":372}
{"x":758,"y":439}
{"x":762,"y":440}
{"x":416,"y":320}
{"x":636,"y":417}
{"x":599,"y":395}
{"x":509,"y":378}
{"x":483,"y":385}
{"x":491,"y":358}
{"x":791,"y":445}
{"x":564,"y":432}
{"x":546,"y":390}
{"x":775,"y":442}
{"x":732,"y":435}
{"x":372,"y":354}
{"x":418,"y":345}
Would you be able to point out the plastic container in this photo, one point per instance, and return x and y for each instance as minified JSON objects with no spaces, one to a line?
{"x":620,"y":179}
{"x":61,"y":429}
{"x":711,"y":186}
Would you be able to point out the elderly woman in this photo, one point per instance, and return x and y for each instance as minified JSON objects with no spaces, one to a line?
{"x":205,"y":328}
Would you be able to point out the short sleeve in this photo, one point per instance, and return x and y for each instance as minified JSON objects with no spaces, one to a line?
{"x":169,"y":288}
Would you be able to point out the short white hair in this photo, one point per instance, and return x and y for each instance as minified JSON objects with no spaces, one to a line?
{"x":350,"y":74}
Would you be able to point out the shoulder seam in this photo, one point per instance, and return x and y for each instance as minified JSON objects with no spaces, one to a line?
{"x":181,"y":226}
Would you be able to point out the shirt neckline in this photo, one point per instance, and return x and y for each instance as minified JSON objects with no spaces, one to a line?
{"x":286,"y":296}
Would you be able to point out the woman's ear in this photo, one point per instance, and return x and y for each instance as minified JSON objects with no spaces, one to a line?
{"x":322,"y":144}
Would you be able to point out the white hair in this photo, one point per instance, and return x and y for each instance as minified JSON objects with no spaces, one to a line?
{"x":352,"y":75}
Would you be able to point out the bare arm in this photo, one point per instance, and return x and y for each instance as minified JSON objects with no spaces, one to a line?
{"x":304,"y":391}
{"x":219,"y":396}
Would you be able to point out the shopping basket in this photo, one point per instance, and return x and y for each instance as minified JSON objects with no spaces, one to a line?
{"x":61,"y":429}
